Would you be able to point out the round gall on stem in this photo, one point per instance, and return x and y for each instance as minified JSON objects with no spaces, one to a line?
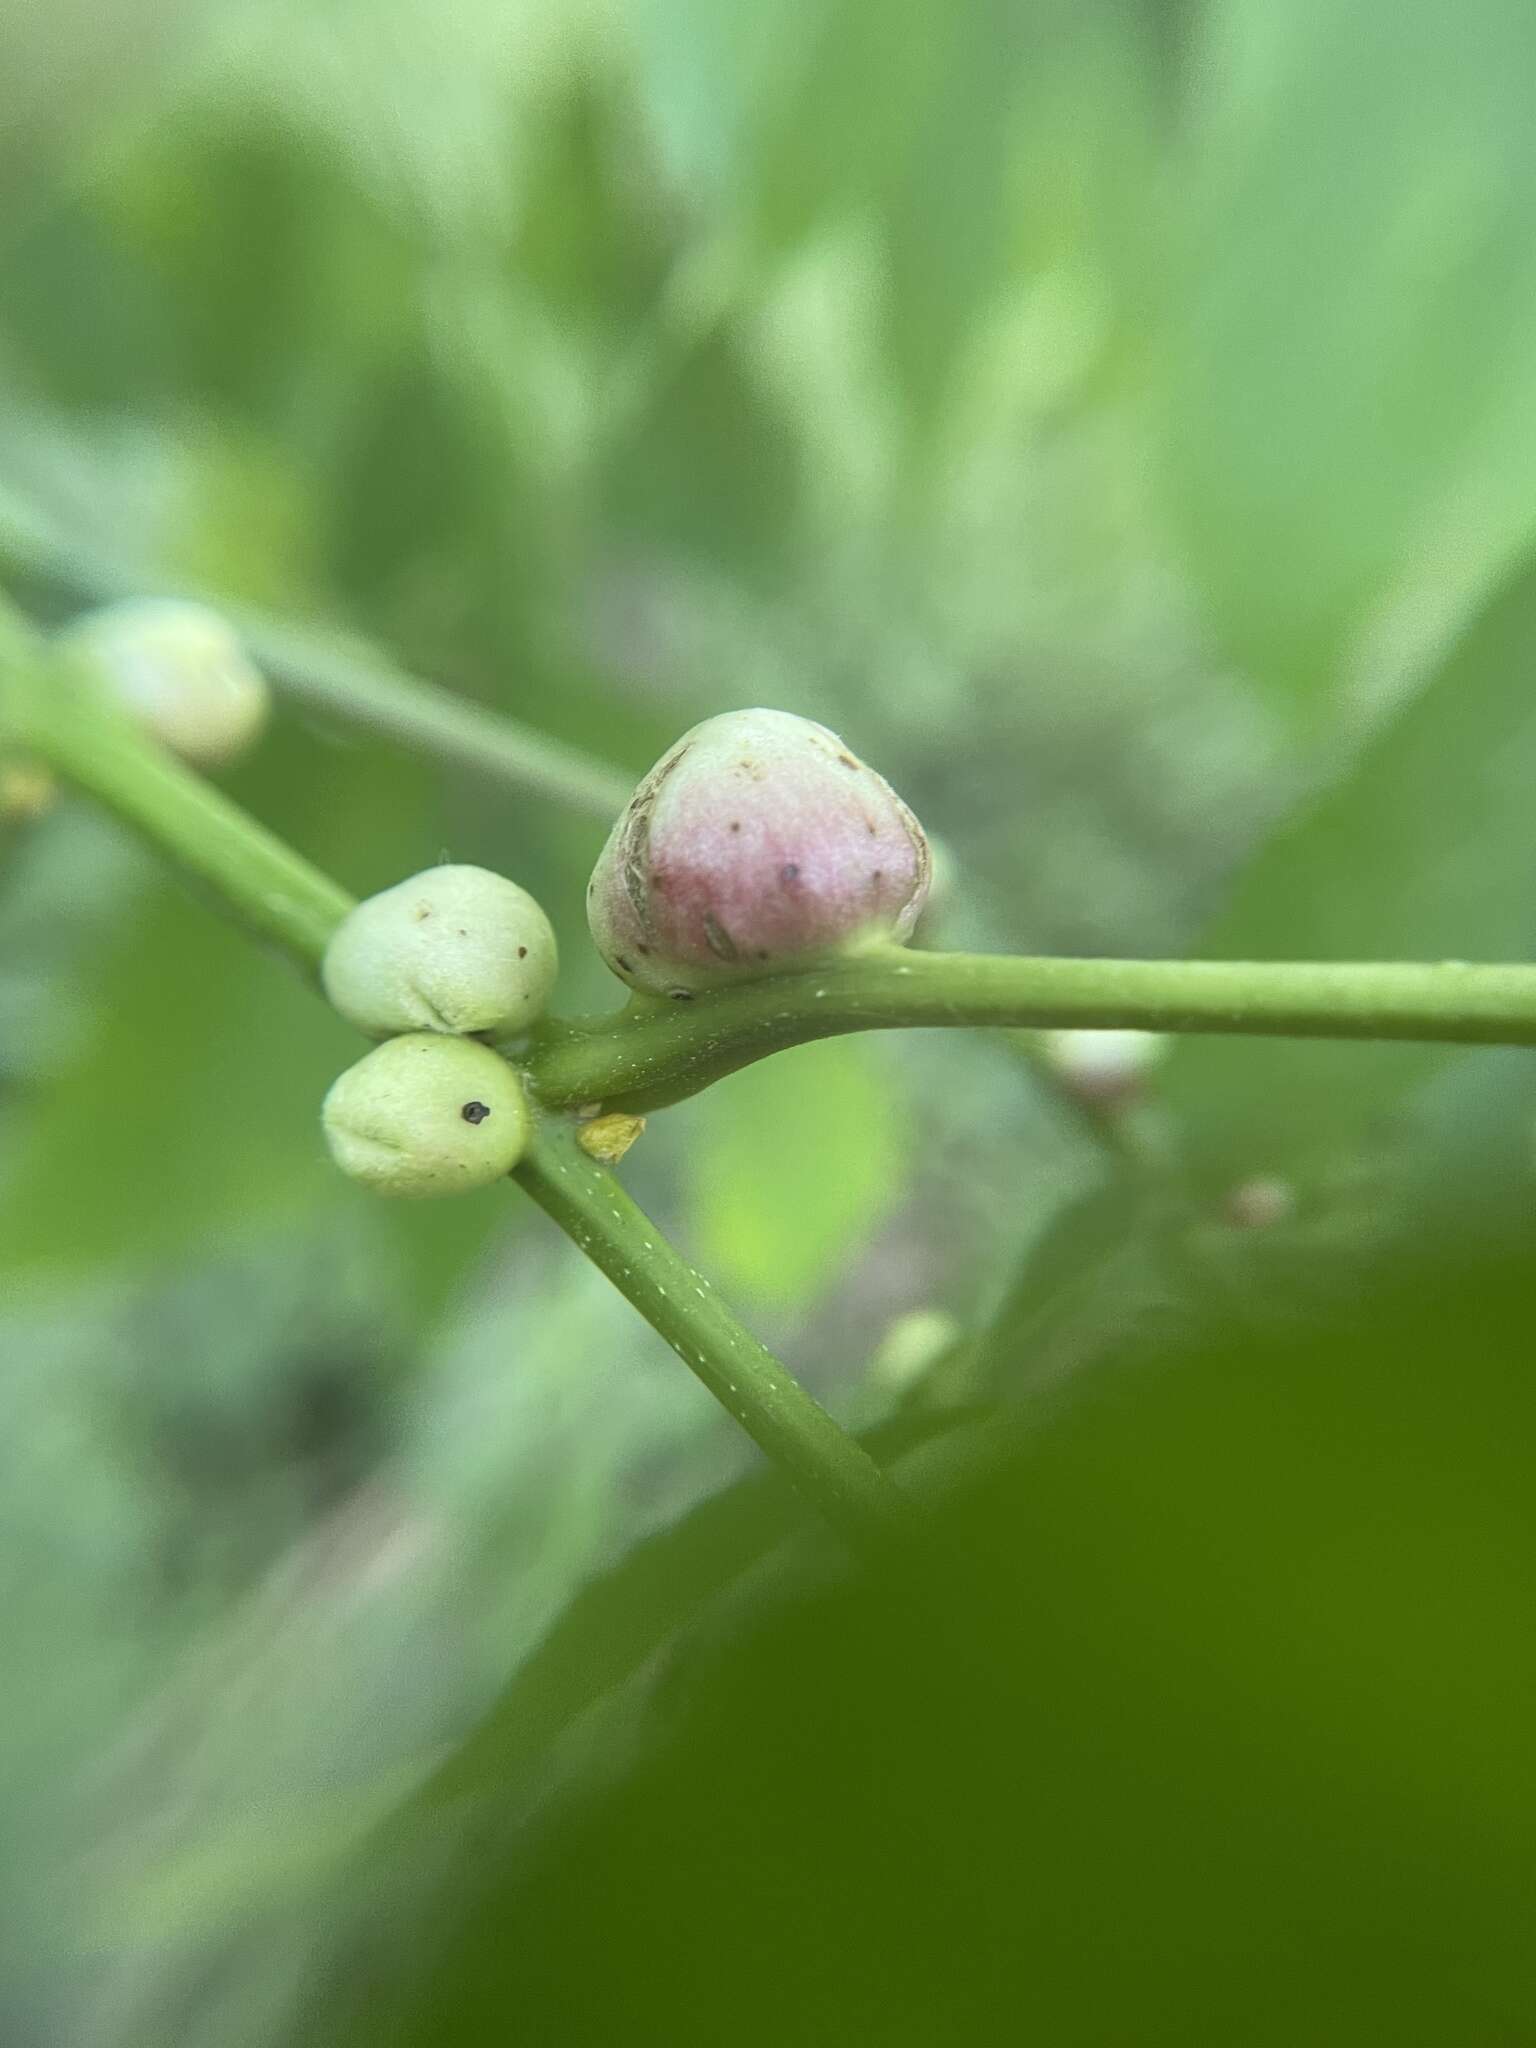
{"x":179,"y":670}
{"x":456,"y":949}
{"x":426,"y":1115}
{"x":759,"y":842}
{"x":1107,"y":1069}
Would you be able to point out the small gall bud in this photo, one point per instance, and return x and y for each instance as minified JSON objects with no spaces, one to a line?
{"x":456,"y":949}
{"x":1106,"y":1069}
{"x":1259,"y":1204}
{"x":912,"y":1346}
{"x":758,"y":843}
{"x":427,"y":1115}
{"x":179,"y":670}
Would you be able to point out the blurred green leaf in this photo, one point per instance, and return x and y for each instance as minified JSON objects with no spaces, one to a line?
{"x":613,"y":1632}
{"x":1425,"y":850}
{"x":69,"y":71}
{"x":710,"y":470}
{"x":573,"y":1706}
{"x":948,"y":374}
{"x":1206,"y":1709}
{"x":1099,"y":1275}
{"x":188,"y":1107}
{"x":1344,"y":383}
{"x":805,"y":1158}
{"x":185,"y":1118}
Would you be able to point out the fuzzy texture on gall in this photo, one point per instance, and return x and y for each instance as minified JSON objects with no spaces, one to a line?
{"x":179,"y":670}
{"x":456,"y":949}
{"x":426,"y":1115}
{"x":759,"y":842}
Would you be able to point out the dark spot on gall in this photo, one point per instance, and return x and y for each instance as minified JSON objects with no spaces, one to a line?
{"x":620,"y":961}
{"x":790,"y":872}
{"x":644,"y":952}
{"x":763,"y":953}
{"x":735,"y":824}
{"x":474,"y":1112}
{"x":522,"y":952}
{"x":681,"y":995}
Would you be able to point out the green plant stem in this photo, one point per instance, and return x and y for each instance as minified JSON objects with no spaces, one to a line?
{"x":591,"y":1206}
{"x":359,"y":689}
{"x":340,"y":680}
{"x":279,"y":897}
{"x":655,"y":1052}
{"x":252,"y":874}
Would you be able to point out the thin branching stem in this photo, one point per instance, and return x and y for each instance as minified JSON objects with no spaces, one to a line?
{"x":655,"y":1052}
{"x":250,"y":873}
{"x":338,"y":679}
{"x":51,"y":711}
{"x":591,"y":1205}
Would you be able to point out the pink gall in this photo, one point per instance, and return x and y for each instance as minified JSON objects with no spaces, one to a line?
{"x":758,"y":843}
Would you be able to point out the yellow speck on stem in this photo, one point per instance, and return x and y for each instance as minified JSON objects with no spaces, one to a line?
{"x":608,"y":1138}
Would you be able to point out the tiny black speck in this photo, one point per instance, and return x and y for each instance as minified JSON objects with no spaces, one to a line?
{"x":735,"y":824}
{"x":474,"y":1112}
{"x":522,"y":952}
{"x":790,"y":872}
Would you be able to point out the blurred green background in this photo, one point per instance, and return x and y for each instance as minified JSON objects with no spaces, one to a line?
{"x":1121,"y":423}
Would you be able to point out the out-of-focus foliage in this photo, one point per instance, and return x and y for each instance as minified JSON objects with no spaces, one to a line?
{"x":1118,"y":420}
{"x":1164,"y":1739}
{"x":1420,"y":851}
